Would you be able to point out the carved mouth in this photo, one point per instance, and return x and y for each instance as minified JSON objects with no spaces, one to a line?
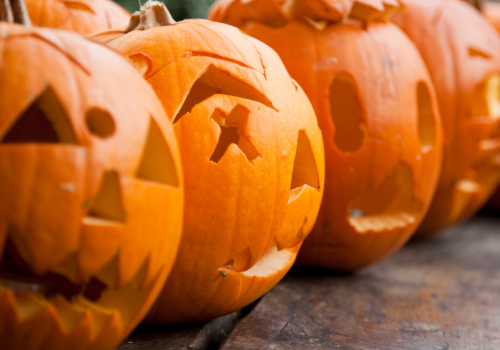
{"x":17,"y":275}
{"x":99,"y":303}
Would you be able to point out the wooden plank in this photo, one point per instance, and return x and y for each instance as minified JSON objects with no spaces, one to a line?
{"x":439,"y":293}
{"x":197,"y":336}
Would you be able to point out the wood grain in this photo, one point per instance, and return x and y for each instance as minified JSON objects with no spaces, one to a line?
{"x":438,"y":293}
{"x":198,"y":336}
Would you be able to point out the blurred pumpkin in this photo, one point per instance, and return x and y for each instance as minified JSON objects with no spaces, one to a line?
{"x":462,"y":51}
{"x":81,"y":16}
{"x":252,"y":153}
{"x":91,"y":189}
{"x":376,"y":107}
{"x":492,"y":11}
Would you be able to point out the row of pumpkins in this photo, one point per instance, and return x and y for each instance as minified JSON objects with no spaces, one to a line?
{"x":96,"y":211}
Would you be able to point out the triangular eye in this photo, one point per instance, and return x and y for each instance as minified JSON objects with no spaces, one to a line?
{"x":157,"y":164}
{"x":305,"y":172}
{"x":214,"y":81}
{"x":107,"y":205}
{"x":45,"y":121}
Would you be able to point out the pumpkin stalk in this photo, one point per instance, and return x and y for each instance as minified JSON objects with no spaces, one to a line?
{"x":6,"y":12}
{"x":14,"y":11}
{"x":477,"y":4}
{"x":20,"y":12}
{"x":152,"y":14}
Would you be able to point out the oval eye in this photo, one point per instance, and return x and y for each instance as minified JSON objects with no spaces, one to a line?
{"x":100,"y":123}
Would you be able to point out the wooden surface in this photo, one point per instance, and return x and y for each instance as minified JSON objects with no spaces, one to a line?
{"x":439,"y":293}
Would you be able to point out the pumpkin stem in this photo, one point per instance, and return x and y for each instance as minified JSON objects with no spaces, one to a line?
{"x":152,"y":14}
{"x":477,"y":4}
{"x":6,"y":12}
{"x":14,"y":11}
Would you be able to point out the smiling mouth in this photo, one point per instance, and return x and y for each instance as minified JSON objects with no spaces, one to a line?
{"x":17,"y":275}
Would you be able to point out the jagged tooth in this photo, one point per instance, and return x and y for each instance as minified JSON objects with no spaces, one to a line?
{"x":78,"y":339}
{"x":111,"y":334}
{"x":99,"y":244}
{"x":8,"y":318}
{"x":138,"y":282}
{"x":28,"y":304}
{"x":130,"y":265}
{"x":70,"y":314}
{"x":109,"y":274}
{"x":3,"y":238}
{"x":28,"y":334}
{"x":69,"y":269}
{"x":100,"y":315}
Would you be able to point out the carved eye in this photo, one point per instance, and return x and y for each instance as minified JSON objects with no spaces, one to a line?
{"x":305,"y":171}
{"x":44,"y":121}
{"x":157,"y":164}
{"x":214,"y":81}
{"x":347,"y":113}
{"x":426,"y":118}
{"x":100,"y":123}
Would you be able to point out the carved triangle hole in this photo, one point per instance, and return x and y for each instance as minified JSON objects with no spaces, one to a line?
{"x":108,"y":204}
{"x":231,"y":127}
{"x":44,"y":121}
{"x":305,"y":171}
{"x":157,"y":163}
{"x":214,"y":81}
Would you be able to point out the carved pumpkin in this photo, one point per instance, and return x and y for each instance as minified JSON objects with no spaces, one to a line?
{"x":81,"y":16}
{"x":463,"y":57}
{"x":252,"y":153}
{"x":91,"y":193}
{"x":376,"y":107}
{"x":492,"y":11}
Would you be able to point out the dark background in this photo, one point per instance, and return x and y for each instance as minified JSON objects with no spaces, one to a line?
{"x":180,"y":9}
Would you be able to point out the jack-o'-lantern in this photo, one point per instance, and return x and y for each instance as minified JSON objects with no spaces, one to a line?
{"x":81,"y":16}
{"x":91,"y":193}
{"x":462,"y":51}
{"x":376,"y":107}
{"x":252,"y":155}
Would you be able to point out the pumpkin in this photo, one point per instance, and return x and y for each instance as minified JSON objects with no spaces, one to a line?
{"x":91,"y":189}
{"x":252,"y":154}
{"x":81,"y":16}
{"x":462,"y":51}
{"x":376,"y":108}
{"x":492,"y":11}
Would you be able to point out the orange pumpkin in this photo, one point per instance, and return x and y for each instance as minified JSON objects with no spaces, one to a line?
{"x":91,"y":193}
{"x":376,"y":107}
{"x":492,"y":11}
{"x":252,"y":153}
{"x":81,"y":16}
{"x":462,"y":51}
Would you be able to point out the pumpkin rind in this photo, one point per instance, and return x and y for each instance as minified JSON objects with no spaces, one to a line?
{"x":462,"y":51}
{"x":363,"y":78}
{"x":81,"y":16}
{"x":81,"y":199}
{"x":249,"y":203}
